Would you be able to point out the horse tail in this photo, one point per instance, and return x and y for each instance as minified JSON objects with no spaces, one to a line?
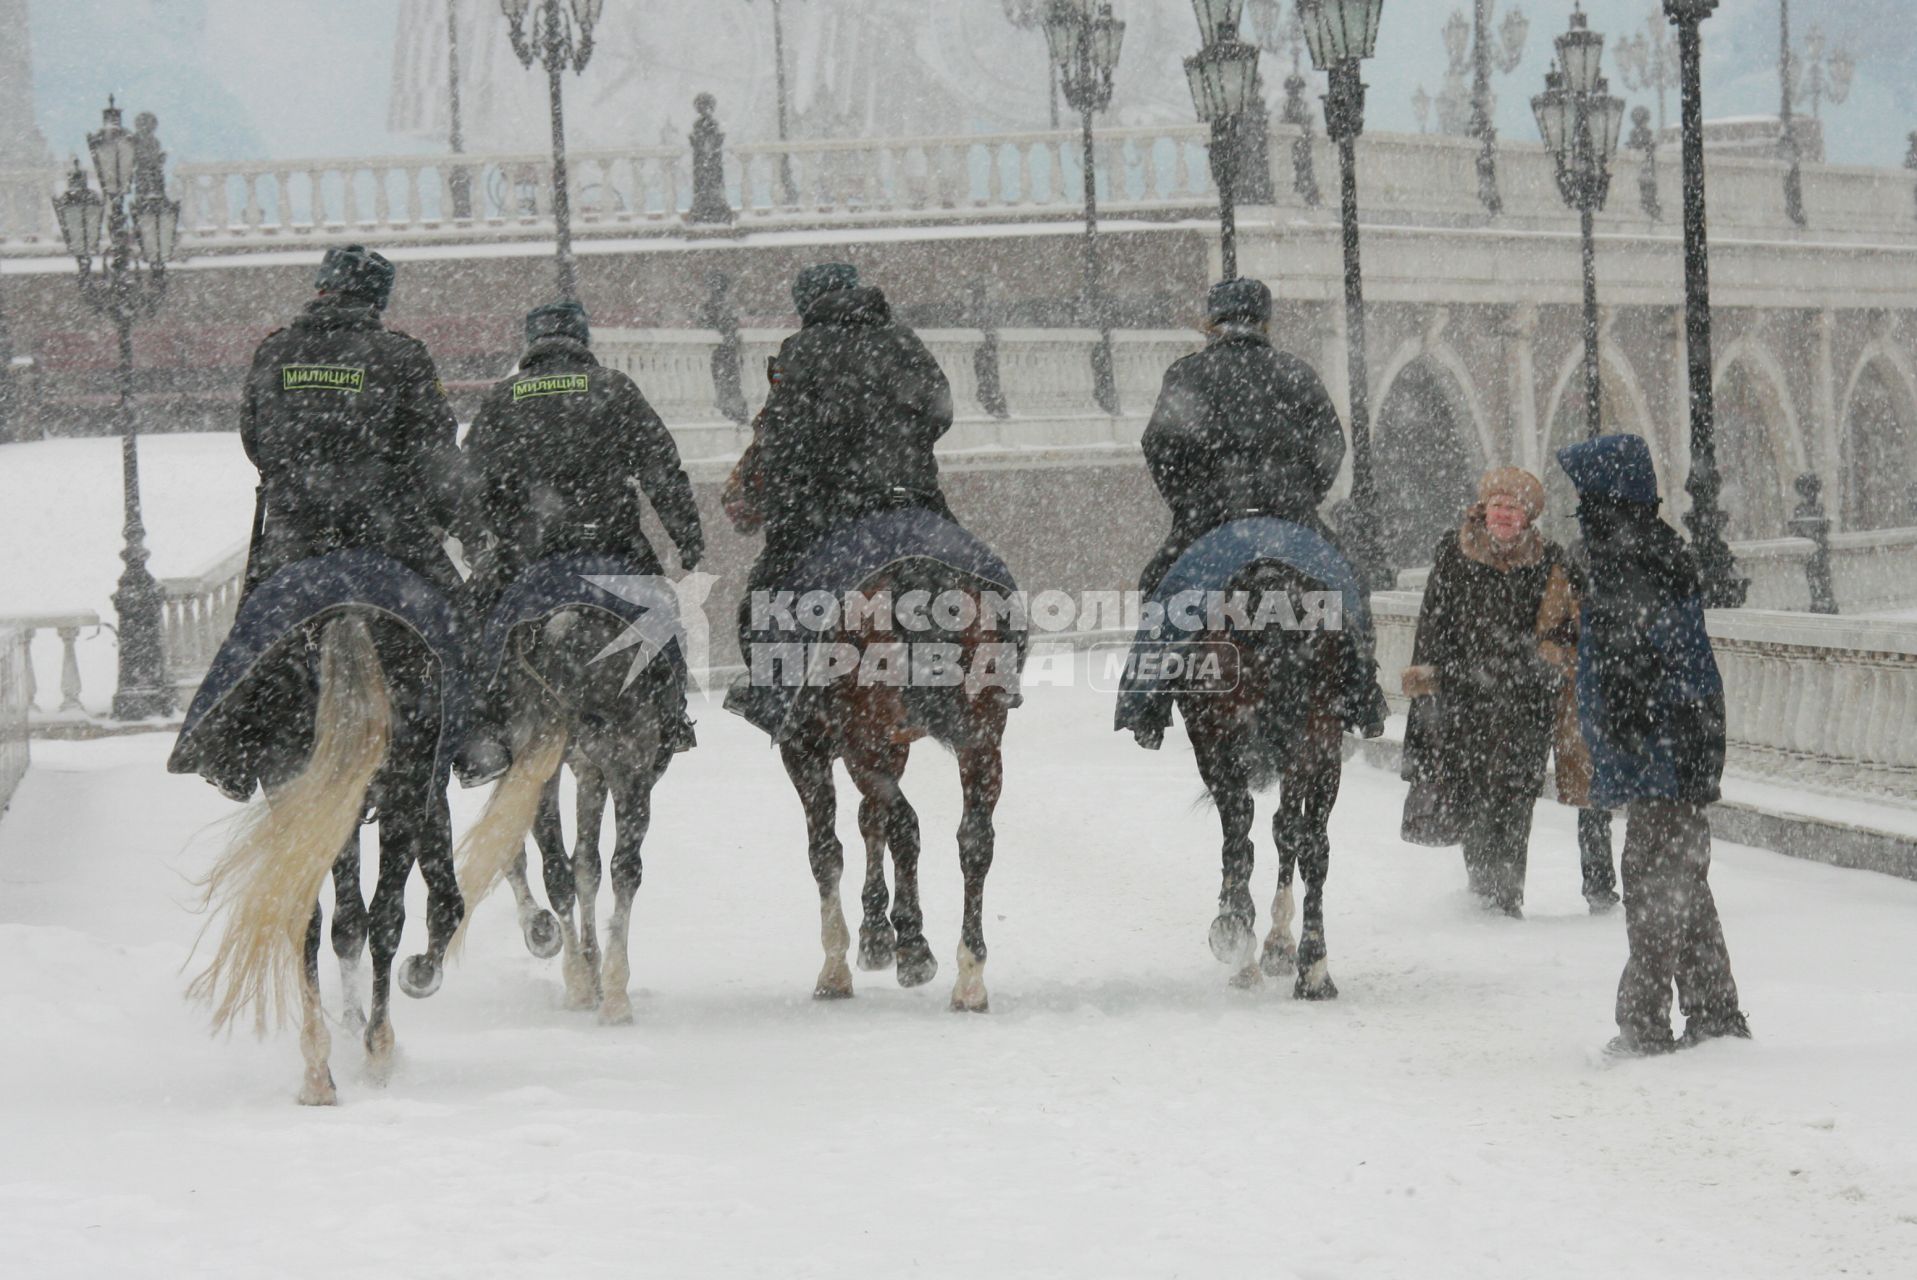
{"x":487,"y":852}
{"x":268,"y":881}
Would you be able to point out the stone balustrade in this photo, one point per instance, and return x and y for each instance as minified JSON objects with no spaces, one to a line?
{"x":198,"y":613}
{"x":69,"y":628}
{"x":1406,"y":180}
{"x":16,"y":699}
{"x":1811,"y":701}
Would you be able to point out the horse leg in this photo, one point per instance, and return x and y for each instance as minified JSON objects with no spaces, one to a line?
{"x":810,"y":768}
{"x":556,"y":864}
{"x":878,"y":941}
{"x":1281,"y":950}
{"x":876,"y":773}
{"x":316,"y":1044}
{"x":1232,"y":939}
{"x":387,"y":920}
{"x":349,"y":936}
{"x":632,"y":814}
{"x":432,"y":841}
{"x":582,"y":967}
{"x":1319,"y":775}
{"x":981,"y":778}
{"x":537,"y":925}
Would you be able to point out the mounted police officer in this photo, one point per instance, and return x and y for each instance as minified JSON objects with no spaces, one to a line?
{"x":1244,"y":430}
{"x":558,"y":459}
{"x":856,"y":408}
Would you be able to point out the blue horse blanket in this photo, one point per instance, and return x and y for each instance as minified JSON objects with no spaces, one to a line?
{"x":307,"y":592}
{"x":646,"y":603}
{"x":1210,"y":565}
{"x":851,"y":554}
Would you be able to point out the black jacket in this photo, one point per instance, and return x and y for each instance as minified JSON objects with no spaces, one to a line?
{"x":857,"y":406}
{"x":1242,"y":429}
{"x":558,"y":458}
{"x":355,"y":443}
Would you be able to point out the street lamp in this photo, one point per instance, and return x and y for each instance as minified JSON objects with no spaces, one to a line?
{"x":460,"y":181}
{"x":1025,"y":15}
{"x":1723,"y":589}
{"x":1085,"y":44}
{"x":133,"y":229}
{"x":1581,"y":121}
{"x":1516,"y":29}
{"x":1340,"y":34}
{"x":557,"y":40}
{"x":786,"y":183}
{"x":1787,"y":143}
{"x":1224,"y":81}
{"x":1644,"y":142}
{"x":1646,"y":63}
{"x":1286,"y":39}
{"x":1824,"y":73}
{"x":1910,"y":157}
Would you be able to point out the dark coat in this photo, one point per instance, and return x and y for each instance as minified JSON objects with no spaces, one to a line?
{"x":557,"y":459}
{"x":356,"y":446}
{"x":1650,"y":699}
{"x":1492,"y":651}
{"x":857,"y":406}
{"x":1240,"y":429}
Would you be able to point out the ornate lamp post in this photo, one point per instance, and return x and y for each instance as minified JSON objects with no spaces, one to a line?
{"x":1505,"y":60}
{"x":1647,"y":63}
{"x":133,"y":229}
{"x":1722,"y":588}
{"x":460,"y":182}
{"x":1286,"y":39}
{"x":1644,"y":142}
{"x":1085,"y":44}
{"x":1340,"y":35}
{"x":1581,"y":121}
{"x":1787,"y":143}
{"x":1224,"y":82}
{"x":786,"y":182}
{"x":1826,"y":73}
{"x":1025,"y":15}
{"x":1910,"y":157}
{"x":557,"y":40}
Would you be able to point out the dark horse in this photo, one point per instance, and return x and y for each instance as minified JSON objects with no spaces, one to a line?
{"x":574,"y":702}
{"x":339,"y":715}
{"x":1274,"y":718}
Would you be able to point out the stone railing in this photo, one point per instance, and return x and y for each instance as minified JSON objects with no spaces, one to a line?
{"x":1812,"y":701}
{"x":15,"y":701}
{"x":198,"y":614}
{"x":68,"y":627}
{"x":1044,"y":376}
{"x":1411,"y":180}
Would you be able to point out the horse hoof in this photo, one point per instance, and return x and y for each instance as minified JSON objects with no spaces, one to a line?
{"x":1249,"y":978}
{"x":319,"y":1092}
{"x":878,"y":948}
{"x":616,"y":1013}
{"x":1315,"y":983}
{"x":967,"y":1002}
{"x":1230,"y":940}
{"x":420,"y":976}
{"x":1278,"y":962}
{"x":542,"y":935}
{"x":916,"y":963}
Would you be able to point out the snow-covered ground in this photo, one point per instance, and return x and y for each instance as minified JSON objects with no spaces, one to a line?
{"x":1120,"y":1112}
{"x":61,"y":530}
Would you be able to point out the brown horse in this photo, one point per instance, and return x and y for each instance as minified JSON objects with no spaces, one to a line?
{"x":871,"y":725}
{"x":1273,"y":717}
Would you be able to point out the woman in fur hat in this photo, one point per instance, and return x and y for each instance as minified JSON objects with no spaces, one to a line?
{"x":1496,"y":640}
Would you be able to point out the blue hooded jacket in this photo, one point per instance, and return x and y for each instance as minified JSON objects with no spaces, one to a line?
{"x":1650,"y":699}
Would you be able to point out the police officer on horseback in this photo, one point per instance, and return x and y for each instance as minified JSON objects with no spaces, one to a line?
{"x":856,"y":409}
{"x":1243,"y":430}
{"x":559,"y":457}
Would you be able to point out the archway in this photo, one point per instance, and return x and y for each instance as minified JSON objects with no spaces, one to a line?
{"x":1427,"y":470}
{"x":1878,"y":480}
{"x":1622,"y":410}
{"x":1753,"y":455}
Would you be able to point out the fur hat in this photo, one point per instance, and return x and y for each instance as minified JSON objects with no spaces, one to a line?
{"x":357,"y":272}
{"x":816,"y":281}
{"x":1246,"y":301}
{"x":558,"y":320}
{"x":1617,"y":467}
{"x":1516,"y":484}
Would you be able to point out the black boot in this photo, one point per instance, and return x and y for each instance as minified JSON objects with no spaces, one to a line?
{"x":1714,"y":1027}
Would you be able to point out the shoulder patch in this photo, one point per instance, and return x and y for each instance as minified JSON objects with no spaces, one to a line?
{"x":322,"y":377}
{"x":552,"y":384}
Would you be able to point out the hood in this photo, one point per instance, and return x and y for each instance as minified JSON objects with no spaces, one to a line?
{"x":1477,"y":544}
{"x":1614,"y":467}
{"x":861,"y":308}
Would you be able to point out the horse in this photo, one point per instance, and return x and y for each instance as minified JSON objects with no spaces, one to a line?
{"x":1269,"y":712}
{"x":569,"y":707}
{"x":376,"y":697}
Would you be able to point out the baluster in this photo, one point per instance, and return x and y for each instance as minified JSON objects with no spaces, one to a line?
{"x":222,"y":203}
{"x":382,"y":198}
{"x":69,"y":669}
{"x":253,"y":216}
{"x":349,"y":197}
{"x":316,"y":194}
{"x":283,"y":195}
{"x":32,"y":689}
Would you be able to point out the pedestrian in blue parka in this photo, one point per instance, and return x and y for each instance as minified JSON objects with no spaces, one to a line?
{"x":1651,"y":708}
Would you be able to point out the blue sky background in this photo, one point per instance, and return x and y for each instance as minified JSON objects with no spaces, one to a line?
{"x":233,"y":79}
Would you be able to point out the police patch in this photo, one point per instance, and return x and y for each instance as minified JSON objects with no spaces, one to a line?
{"x":552,"y":384}
{"x":322,"y":377}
